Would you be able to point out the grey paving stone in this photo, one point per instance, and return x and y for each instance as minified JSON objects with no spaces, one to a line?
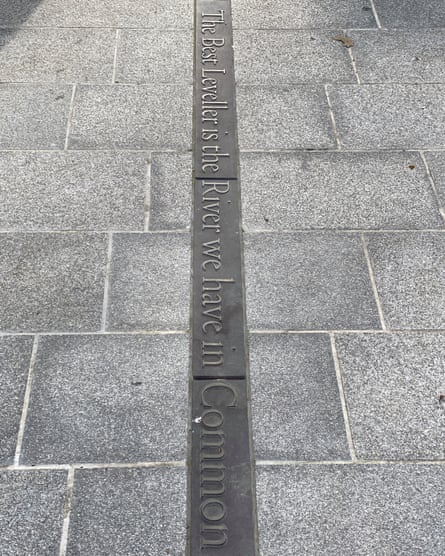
{"x":308,"y":281}
{"x":91,"y":13}
{"x":283,"y":117}
{"x":33,"y":116}
{"x":399,"y":56}
{"x":291,"y":191}
{"x":171,"y":190}
{"x":411,"y":13}
{"x":108,"y":399}
{"x":351,"y":509}
{"x":389,"y":116}
{"x":284,"y":14}
{"x":410,"y":276}
{"x":274,"y":56}
{"x":155,"y":56}
{"x":150,"y":282}
{"x":132,"y":117}
{"x":72,"y":190}
{"x":51,"y":282}
{"x":15,"y":355}
{"x":436,"y":163}
{"x":128,"y":511}
{"x":31,"y":512}
{"x":296,"y":411}
{"x":393,"y":385}
{"x":57,"y":55}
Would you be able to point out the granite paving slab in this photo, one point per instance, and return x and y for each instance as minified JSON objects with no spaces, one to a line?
{"x":264,"y":120}
{"x":62,"y":55}
{"x":52,"y":282}
{"x":351,"y":509}
{"x":288,"y":14}
{"x":412,"y":14}
{"x":399,"y":56}
{"x":150,"y":282}
{"x":436,"y":163}
{"x":153,"y":117}
{"x":296,"y":410}
{"x":72,"y":190}
{"x":128,"y":511}
{"x":33,"y":116}
{"x":389,"y":116}
{"x":154,"y":56}
{"x":394,"y":387}
{"x":279,"y":56}
{"x":31,"y":512}
{"x":108,"y":399}
{"x":170,"y":191}
{"x":410,"y":276}
{"x":15,"y":356}
{"x":291,"y":191}
{"x":308,"y":281}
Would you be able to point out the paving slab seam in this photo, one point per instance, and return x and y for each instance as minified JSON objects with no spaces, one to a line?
{"x":349,"y":331}
{"x":373,"y":283}
{"x":67,"y":512}
{"x":353,"y":63}
{"x":70,"y":115}
{"x":147,"y":203}
{"x":134,"y":332}
{"x":433,"y":185}
{"x":375,"y":14}
{"x":294,"y":463}
{"x":107,"y":282}
{"x":116,"y":49}
{"x":85,"y":465}
{"x":332,"y":117}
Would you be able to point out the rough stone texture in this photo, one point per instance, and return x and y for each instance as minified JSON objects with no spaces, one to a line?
{"x":274,"y":57}
{"x":395,"y":393}
{"x":31,"y":512}
{"x":150,"y":282}
{"x":33,"y":116}
{"x":128,"y":511}
{"x":108,"y":399}
{"x":155,"y":56}
{"x":410,"y":275}
{"x":171,"y":191}
{"x":15,"y":355}
{"x":283,"y":14}
{"x":351,"y":509}
{"x":72,"y":190}
{"x":436,"y":163}
{"x":389,"y":116}
{"x":411,"y":13}
{"x":57,"y":54}
{"x":285,"y":191}
{"x":132,"y":117}
{"x":296,"y":411}
{"x":51,"y":282}
{"x":396,"y":56}
{"x":94,"y":13}
{"x":314,"y":281}
{"x":283,"y":117}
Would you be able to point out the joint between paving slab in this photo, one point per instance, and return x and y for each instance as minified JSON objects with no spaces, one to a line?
{"x":26,"y":399}
{"x":375,"y":14}
{"x":81,"y":466}
{"x":67,"y":512}
{"x":433,"y":185}
{"x":373,"y":282}
{"x":147,"y":203}
{"x":290,"y":463}
{"x":107,"y":283}
{"x":354,"y":65}
{"x":70,"y":114}
{"x":116,"y":47}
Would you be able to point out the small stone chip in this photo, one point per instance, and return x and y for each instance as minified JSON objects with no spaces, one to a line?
{"x":347,"y":41}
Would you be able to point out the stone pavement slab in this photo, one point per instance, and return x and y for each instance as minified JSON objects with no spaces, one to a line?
{"x":283,"y":117}
{"x":72,"y":190}
{"x":52,"y":282}
{"x":436,"y":163}
{"x":410,"y":277}
{"x":128,"y":511}
{"x":153,"y":117}
{"x":399,"y":56}
{"x":308,"y":281}
{"x":296,"y":410}
{"x":31,"y":512}
{"x":394,"y":385}
{"x":62,"y":55}
{"x":389,"y":116}
{"x":15,"y":356}
{"x":411,"y":14}
{"x":33,"y":116}
{"x":351,"y":509}
{"x":154,"y":56}
{"x":275,"y":57}
{"x":108,"y":399}
{"x":149,"y":282}
{"x":291,"y":191}
{"x":288,"y":14}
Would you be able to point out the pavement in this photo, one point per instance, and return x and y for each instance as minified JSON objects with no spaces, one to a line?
{"x":341,"y":119}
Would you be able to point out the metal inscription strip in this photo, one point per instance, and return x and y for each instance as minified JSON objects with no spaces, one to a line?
{"x":222,"y":506}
